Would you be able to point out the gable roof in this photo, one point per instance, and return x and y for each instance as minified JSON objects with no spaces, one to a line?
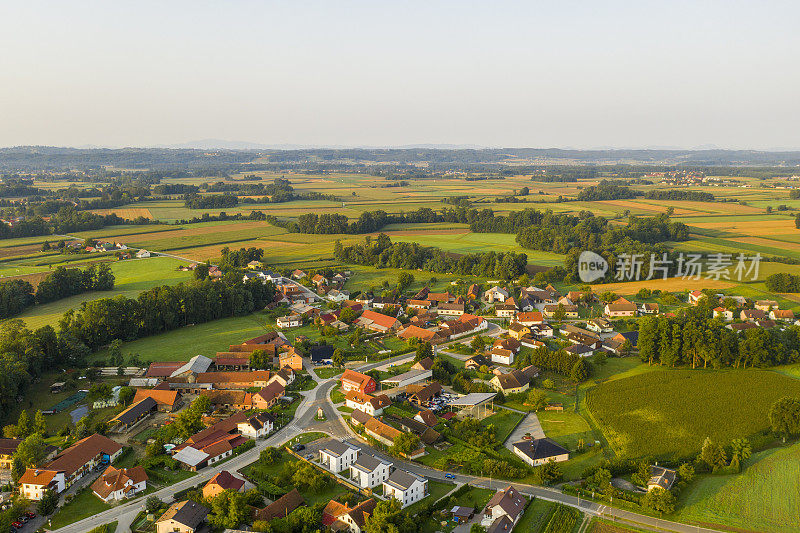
{"x":359,"y":379}
{"x":378,"y":318}
{"x":135,"y":411}
{"x":509,"y":500}
{"x":540,"y":448}
{"x":161,"y":397}
{"x":9,"y":446}
{"x":112,"y":479}
{"x":513,"y":380}
{"x":226,"y":481}
{"x":423,"y":393}
{"x":423,"y":364}
{"x":196,"y":365}
{"x":337,"y":448}
{"x":80,"y":453}
{"x":188,"y":513}
{"x":379,"y":428}
{"x":271,"y":392}
{"x":402,"y":480}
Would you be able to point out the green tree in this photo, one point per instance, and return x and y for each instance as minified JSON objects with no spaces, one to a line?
{"x":686,"y":472}
{"x":338,"y":358}
{"x":405,"y":443}
{"x":424,"y":349}
{"x":560,"y":313}
{"x":601,"y":480}
{"x":23,"y":425}
{"x":478,"y":343}
{"x":713,"y":454}
{"x":784,"y":417}
{"x":388,"y":517}
{"x":40,"y":424}
{"x":48,"y":504}
{"x":126,"y":395}
{"x":740,"y":452}
{"x":537,"y":399}
{"x":659,"y":500}
{"x":115,"y":356}
{"x":580,"y":371}
{"x":153,"y":504}
{"x":31,"y":451}
{"x":404,"y":281}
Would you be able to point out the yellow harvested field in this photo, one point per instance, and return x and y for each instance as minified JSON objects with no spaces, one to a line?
{"x":764,"y":227}
{"x":760,"y":241}
{"x":129,"y":213}
{"x":203,"y":253}
{"x":669,"y":285}
{"x":190,"y":231}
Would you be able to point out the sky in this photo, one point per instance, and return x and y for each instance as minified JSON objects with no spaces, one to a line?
{"x":377,"y":73}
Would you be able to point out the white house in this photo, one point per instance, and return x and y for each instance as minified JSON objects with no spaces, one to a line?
{"x":115,"y":485}
{"x":372,"y":405}
{"x":368,"y":472}
{"x":725,"y":314}
{"x":335,"y":295}
{"x":338,"y":455}
{"x":495,"y":294}
{"x":599,"y":325}
{"x":504,"y":509}
{"x":405,"y":487}
{"x":289,"y":321}
{"x":537,"y":452}
{"x":502,"y":356}
{"x":257,"y":426}
{"x":142,"y":254}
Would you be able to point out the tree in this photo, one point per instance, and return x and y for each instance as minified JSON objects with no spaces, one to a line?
{"x":405,"y":443}
{"x":153,"y":504}
{"x":601,"y":480}
{"x":23,"y":425}
{"x":642,"y":474}
{"x":338,"y":357}
{"x":424,"y":349}
{"x":537,"y":399}
{"x":580,"y":370}
{"x":686,"y":472}
{"x":713,"y":454}
{"x":31,"y":451}
{"x":560,"y":313}
{"x":115,"y":353}
{"x":40,"y":424}
{"x":404,"y":280}
{"x":126,"y":395}
{"x":548,"y":384}
{"x":740,"y":451}
{"x":784,"y":417}
{"x":388,"y":517}
{"x":260,"y":359}
{"x":659,"y":500}
{"x":47,"y":505}
{"x":347,"y":315}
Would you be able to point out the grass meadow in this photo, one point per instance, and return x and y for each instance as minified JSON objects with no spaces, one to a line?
{"x":668,"y":413}
{"x":764,"y":497}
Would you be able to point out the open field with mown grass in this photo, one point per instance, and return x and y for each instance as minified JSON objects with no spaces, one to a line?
{"x":132,"y":277}
{"x":668,"y":413}
{"x":764,"y":497}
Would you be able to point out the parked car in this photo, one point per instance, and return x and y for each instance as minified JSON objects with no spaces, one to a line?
{"x":29,"y":514}
{"x":449,"y":476}
{"x":299,"y":447}
{"x":17,"y":525}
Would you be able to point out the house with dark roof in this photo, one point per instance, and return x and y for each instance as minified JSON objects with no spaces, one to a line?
{"x":661,"y":477}
{"x":405,"y":487}
{"x":182,"y":517}
{"x":8,"y":448}
{"x":281,"y":507}
{"x":514,"y":381}
{"x":476,"y":361}
{"x":268,"y":395}
{"x":505,"y":506}
{"x":338,"y":455}
{"x":537,"y":452}
{"x":423,"y":364}
{"x":422,"y":394}
{"x":134,"y":414}
{"x":221,"y":482}
{"x":368,"y":471}
{"x":257,"y":426}
{"x":339,"y":517}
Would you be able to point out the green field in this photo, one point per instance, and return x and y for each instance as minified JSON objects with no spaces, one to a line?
{"x":669,"y":413}
{"x":132,"y":277}
{"x":765,"y":497}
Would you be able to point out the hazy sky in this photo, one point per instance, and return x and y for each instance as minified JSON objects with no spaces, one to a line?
{"x":533,"y":74}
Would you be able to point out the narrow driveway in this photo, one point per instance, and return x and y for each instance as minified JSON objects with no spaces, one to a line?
{"x":530,"y":424}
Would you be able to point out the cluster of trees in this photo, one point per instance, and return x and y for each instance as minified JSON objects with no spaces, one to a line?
{"x":561,"y":362}
{"x":165,"y":308}
{"x":17,"y":295}
{"x":67,"y":220}
{"x":694,"y":338}
{"x":382,"y":253}
{"x":606,"y":190}
{"x":212,"y":201}
{"x":234,"y":259}
{"x":680,"y":194}
{"x":63,"y":282}
{"x":783,"y":282}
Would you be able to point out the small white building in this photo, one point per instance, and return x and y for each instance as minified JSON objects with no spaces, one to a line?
{"x":502,"y":356}
{"x":289,"y":321}
{"x":338,"y":455}
{"x":336,"y":295}
{"x":142,"y":254}
{"x":537,"y":452}
{"x":724,"y":314}
{"x":257,"y":426}
{"x":405,"y":487}
{"x":495,"y":294}
{"x":368,"y":472}
{"x":372,"y":405}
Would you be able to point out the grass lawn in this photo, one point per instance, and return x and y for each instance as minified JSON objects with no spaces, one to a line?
{"x":436,"y":489}
{"x":566,"y":427}
{"x":474,"y":497}
{"x":337,"y":396}
{"x":599,"y":525}
{"x":536,"y":516}
{"x":326,"y":372}
{"x":683,"y":407}
{"x":764,"y":497}
{"x":168,"y":477}
{"x":83,"y":505}
{"x":204,"y":339}
{"x":132,"y":277}
{"x":305,"y":438}
{"x":504,"y":422}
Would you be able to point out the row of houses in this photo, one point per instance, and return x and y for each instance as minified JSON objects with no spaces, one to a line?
{"x":369,"y":472}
